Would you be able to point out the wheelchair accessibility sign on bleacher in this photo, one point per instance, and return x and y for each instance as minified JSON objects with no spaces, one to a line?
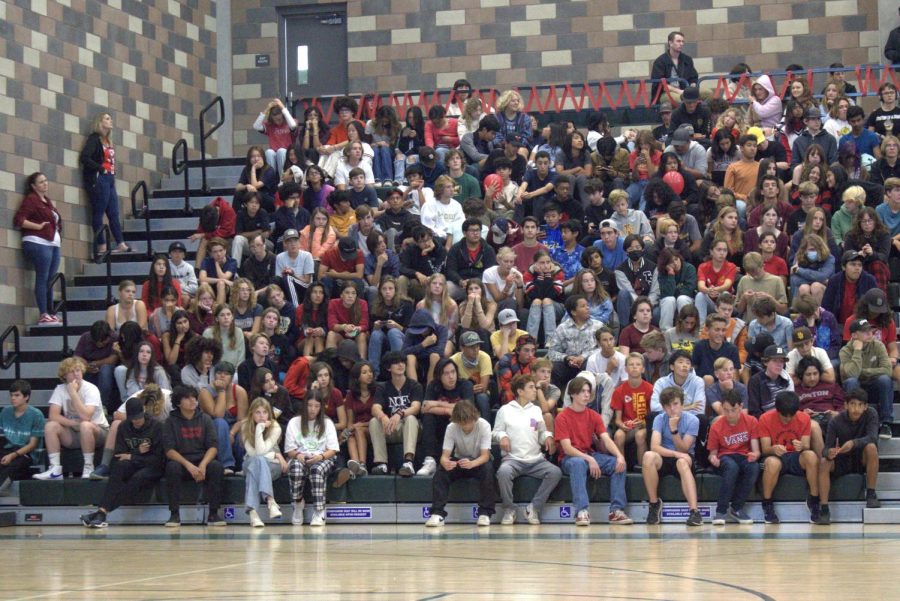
{"x":565,"y":512}
{"x":229,"y":513}
{"x":426,"y":513}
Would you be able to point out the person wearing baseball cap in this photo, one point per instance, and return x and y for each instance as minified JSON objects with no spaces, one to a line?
{"x":693,"y":112}
{"x":294,"y":266}
{"x":865,"y":363}
{"x":763,"y":386}
{"x":813,"y":134}
{"x":183,"y":272}
{"x":664,"y":129}
{"x":344,"y":263}
{"x":432,"y":166}
{"x":847,"y":286}
{"x":690,"y":152}
{"x":803,"y":347}
{"x":503,"y":340}
{"x":139,"y":461}
{"x":611,"y":245}
{"x":874,"y":307}
{"x":475,"y":365}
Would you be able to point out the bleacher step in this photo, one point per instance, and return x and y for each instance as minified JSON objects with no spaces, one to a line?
{"x":883,"y":515}
{"x":889,"y":448}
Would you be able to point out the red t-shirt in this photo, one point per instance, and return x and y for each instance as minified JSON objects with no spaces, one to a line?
{"x":630,"y":336}
{"x":333,"y":261}
{"x":733,"y":440}
{"x":109,"y":159}
{"x":579,"y":428}
{"x":525,"y":255}
{"x":362,"y":412}
{"x":884,"y":335}
{"x":337,"y":135}
{"x":632,"y":402}
{"x":334,"y":401}
{"x":848,"y":303}
{"x":711,"y":277}
{"x":771,"y":426}
{"x":776,"y":266}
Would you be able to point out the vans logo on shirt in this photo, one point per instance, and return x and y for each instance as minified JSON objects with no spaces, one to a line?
{"x":739,"y":438}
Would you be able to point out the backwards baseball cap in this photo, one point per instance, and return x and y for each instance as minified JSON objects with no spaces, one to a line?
{"x":469,"y":338}
{"x":507,"y":316}
{"x":291,"y":234}
{"x":758,"y":345}
{"x":665,"y":107}
{"x":850,"y":255}
{"x":860,"y":325}
{"x":513,"y":138}
{"x":691,"y":94}
{"x":500,"y":229}
{"x":177,"y":246}
{"x":773,"y":351}
{"x":801,"y":334}
{"x":134,"y":408}
{"x":609,"y":223}
{"x":757,"y":133}
{"x":426,"y":154}
{"x":813,"y":113}
{"x":876,"y":300}
{"x":347,"y":247}
{"x":682,"y":136}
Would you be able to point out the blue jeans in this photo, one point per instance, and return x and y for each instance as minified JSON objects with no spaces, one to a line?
{"x":258,"y":475}
{"x":636,"y":194}
{"x":623,"y":306}
{"x":400,"y":166}
{"x":225,"y":454}
{"x":104,"y":381}
{"x":382,"y":165}
{"x":738,"y":478}
{"x":45,"y":260}
{"x":576,"y":469}
{"x":483,"y":402}
{"x":441,"y":151}
{"x":377,"y":338}
{"x":881,"y":394}
{"x":105,"y":201}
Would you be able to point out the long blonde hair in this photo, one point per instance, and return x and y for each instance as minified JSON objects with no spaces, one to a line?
{"x":505,"y":99}
{"x":248,"y":428}
{"x":96,"y":128}
{"x":448,"y":305}
{"x":235,"y":289}
{"x":736,"y":240}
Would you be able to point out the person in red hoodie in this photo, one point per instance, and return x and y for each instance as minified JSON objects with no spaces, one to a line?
{"x":41,"y":226}
{"x":348,"y":318}
{"x":217,"y":219}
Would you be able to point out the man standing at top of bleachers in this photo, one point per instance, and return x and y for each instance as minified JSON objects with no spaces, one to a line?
{"x":674,"y":65}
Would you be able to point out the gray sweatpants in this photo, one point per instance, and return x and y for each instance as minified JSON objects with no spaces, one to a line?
{"x":511,"y":469}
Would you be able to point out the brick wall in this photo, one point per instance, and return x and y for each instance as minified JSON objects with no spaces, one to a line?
{"x":427,"y":44}
{"x":150,"y":63}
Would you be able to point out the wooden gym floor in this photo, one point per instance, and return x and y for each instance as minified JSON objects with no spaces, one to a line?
{"x":458,"y":562}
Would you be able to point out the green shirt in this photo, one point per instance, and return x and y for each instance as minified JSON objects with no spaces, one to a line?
{"x":466,"y":187}
{"x":19,"y":430}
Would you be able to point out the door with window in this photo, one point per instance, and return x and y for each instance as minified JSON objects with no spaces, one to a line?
{"x":313,"y":40}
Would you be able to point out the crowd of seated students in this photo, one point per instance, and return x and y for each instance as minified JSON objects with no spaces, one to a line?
{"x":656,"y":272}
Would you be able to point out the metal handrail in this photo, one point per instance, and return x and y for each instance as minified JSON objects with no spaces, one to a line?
{"x":13,"y":358}
{"x":205,"y":134}
{"x":179,"y":167}
{"x":144,"y":212}
{"x":105,"y":257}
{"x":61,"y":307}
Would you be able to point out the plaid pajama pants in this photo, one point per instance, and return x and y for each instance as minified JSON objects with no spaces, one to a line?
{"x":317,"y":474}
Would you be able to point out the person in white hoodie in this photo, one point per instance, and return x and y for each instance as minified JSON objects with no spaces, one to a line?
{"x":520,"y":431}
{"x":443,"y":215}
{"x":263,"y":461}
{"x":766,"y":109}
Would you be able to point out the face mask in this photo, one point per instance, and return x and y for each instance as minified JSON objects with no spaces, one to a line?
{"x":635,"y":255}
{"x":812,"y":255}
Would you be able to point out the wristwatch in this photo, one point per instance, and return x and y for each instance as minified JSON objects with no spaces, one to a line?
{"x":673,"y":432}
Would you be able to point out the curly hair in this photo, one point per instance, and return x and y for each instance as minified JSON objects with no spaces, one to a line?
{"x":199,"y":345}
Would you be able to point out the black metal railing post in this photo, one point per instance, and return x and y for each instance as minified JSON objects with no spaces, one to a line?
{"x":217,"y":101}
{"x":143,"y":211}
{"x":180,"y":166}
{"x":60,"y":306}
{"x":13,"y":357}
{"x":105,"y":257}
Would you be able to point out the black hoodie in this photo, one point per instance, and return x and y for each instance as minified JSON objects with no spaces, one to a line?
{"x":190,"y":437}
{"x":129,"y":439}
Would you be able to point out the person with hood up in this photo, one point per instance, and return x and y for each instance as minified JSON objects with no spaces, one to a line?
{"x":423,"y":344}
{"x":765,"y":108}
{"x":813,"y":134}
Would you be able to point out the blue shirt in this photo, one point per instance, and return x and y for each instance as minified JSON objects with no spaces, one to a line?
{"x":865,"y":143}
{"x":19,"y":430}
{"x":891,"y":220}
{"x":688,"y":425}
{"x":391,"y":266}
{"x":612,"y":258}
{"x":553,"y":241}
{"x":570,"y":262}
{"x":209,"y":265}
{"x":781,"y":334}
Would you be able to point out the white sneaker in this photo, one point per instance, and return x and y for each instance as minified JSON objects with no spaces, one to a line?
{"x":509,"y":517}
{"x":583,"y":518}
{"x":87,"y":471}
{"x":406,"y":470}
{"x":318,"y":519}
{"x":353,"y":465}
{"x":484,"y":520}
{"x":297,"y":518}
{"x":255,"y":521}
{"x":434,"y":521}
{"x":54,"y":473}
{"x":429,"y":467}
{"x":274,"y":509}
{"x":531,"y":516}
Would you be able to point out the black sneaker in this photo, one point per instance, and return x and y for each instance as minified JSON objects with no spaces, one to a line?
{"x":174,"y":520}
{"x":824,"y":517}
{"x":885,"y":432}
{"x":872,"y":501}
{"x":98,"y":520}
{"x":654,"y":512}
{"x":87,"y":518}
{"x":215,"y":519}
{"x":814,"y":511}
{"x":695,"y":519}
{"x":769,"y":512}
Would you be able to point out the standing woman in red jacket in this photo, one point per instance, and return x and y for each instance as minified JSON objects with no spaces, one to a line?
{"x":98,"y":168}
{"x":41,"y":226}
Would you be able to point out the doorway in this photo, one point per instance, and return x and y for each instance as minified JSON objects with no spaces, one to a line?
{"x":313,"y":43}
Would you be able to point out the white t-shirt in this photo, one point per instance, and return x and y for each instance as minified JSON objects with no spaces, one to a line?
{"x":597,"y":363}
{"x":312,"y":443}
{"x":167,"y":404}
{"x":302,"y":265}
{"x":90,"y":396}
{"x":342,"y":173}
{"x":821,"y":354}
{"x":468,"y":446}
{"x":444,"y":219}
{"x":418,"y":197}
{"x":491,"y":275}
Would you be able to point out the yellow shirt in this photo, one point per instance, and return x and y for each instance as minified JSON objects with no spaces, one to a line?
{"x":342,"y":223}
{"x":497,"y":338}
{"x":479,"y":375}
